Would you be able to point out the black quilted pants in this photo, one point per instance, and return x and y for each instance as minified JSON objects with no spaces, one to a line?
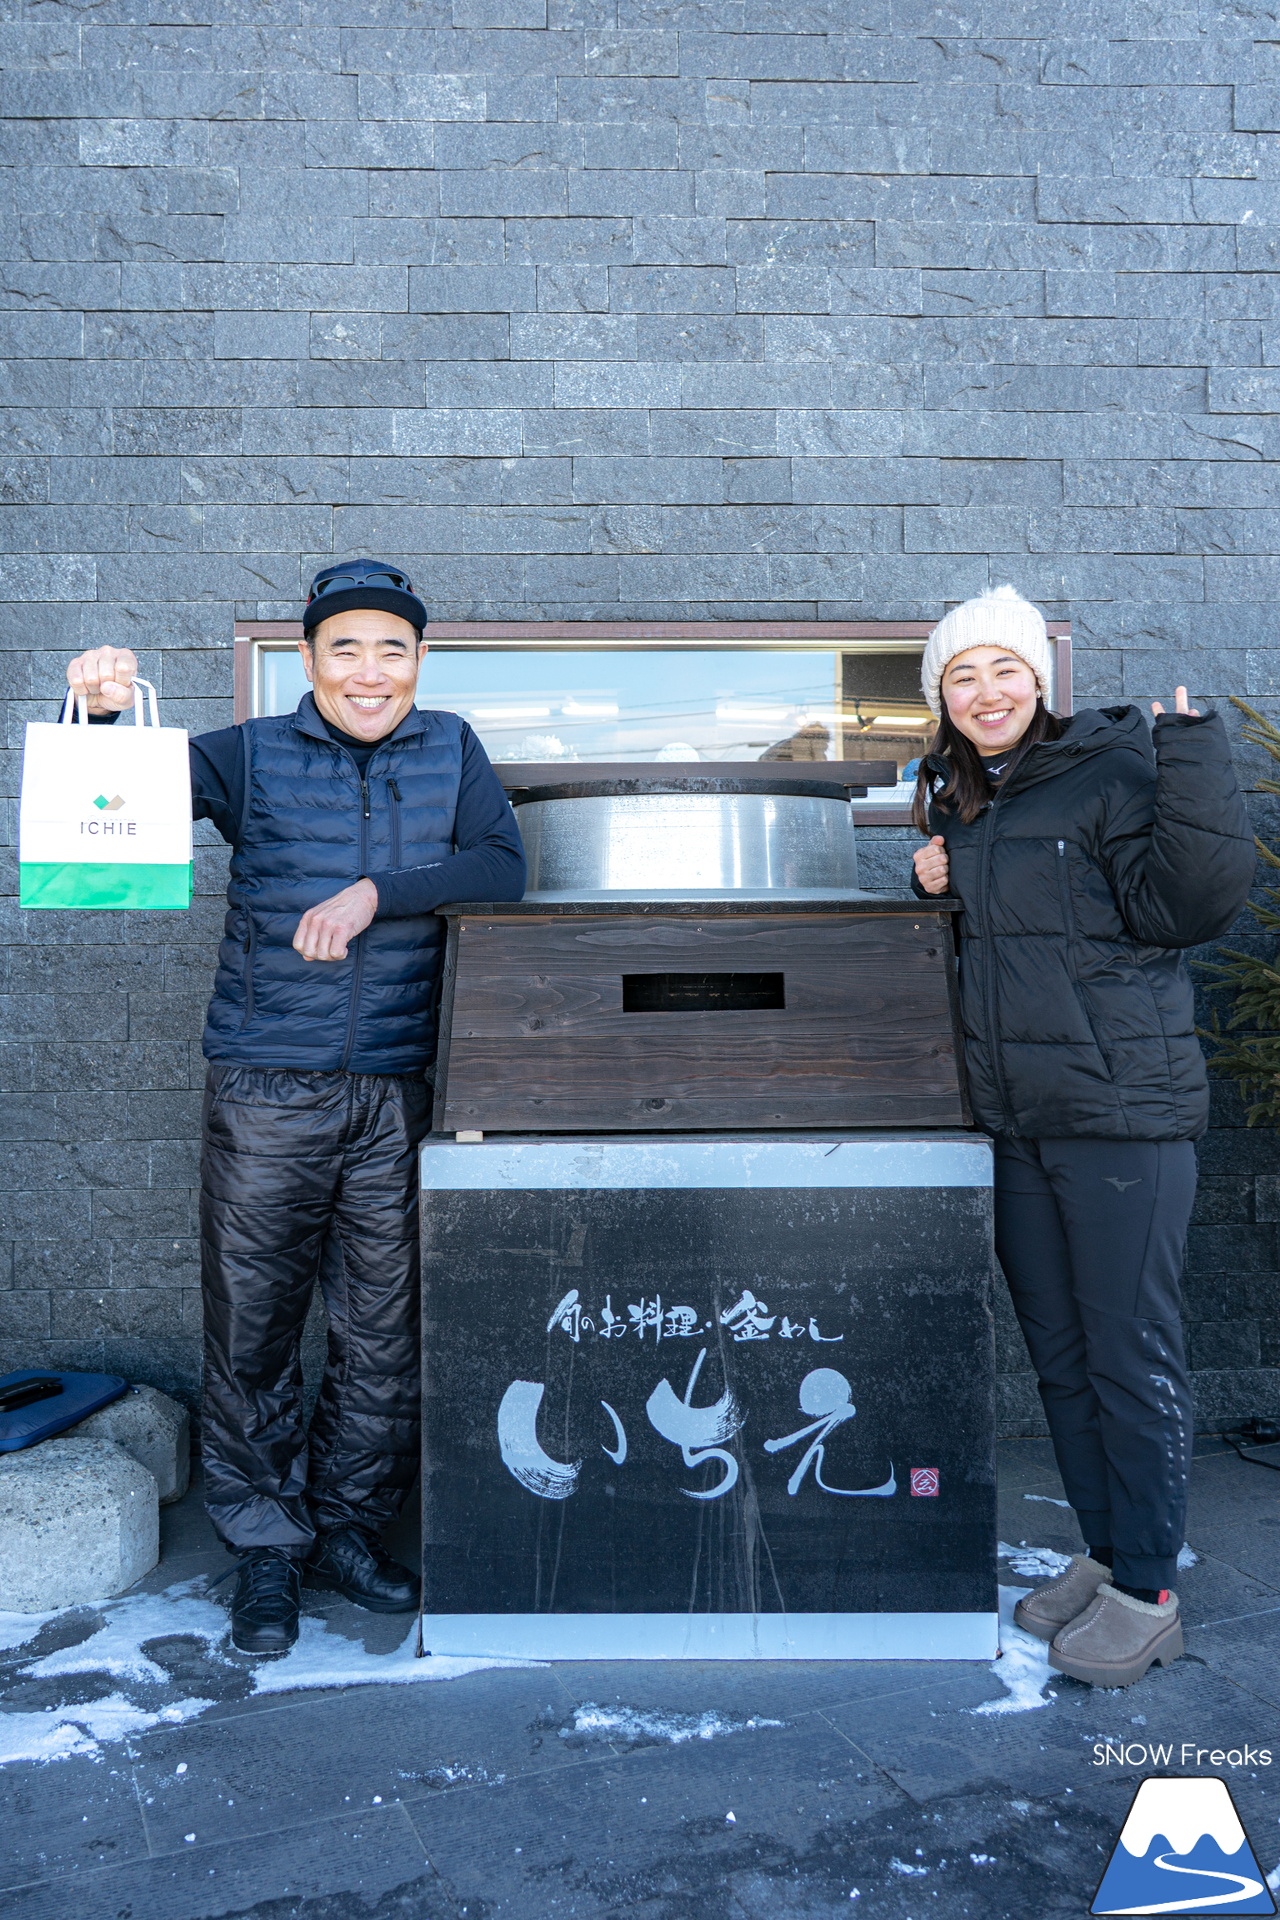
{"x":309,"y":1176}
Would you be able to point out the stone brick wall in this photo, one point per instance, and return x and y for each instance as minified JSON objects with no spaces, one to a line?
{"x":603,"y":308}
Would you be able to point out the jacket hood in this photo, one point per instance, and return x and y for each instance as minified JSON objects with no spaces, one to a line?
{"x":1093,"y":731}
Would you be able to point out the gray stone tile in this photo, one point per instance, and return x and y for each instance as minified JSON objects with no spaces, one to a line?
{"x":286,"y":1760}
{"x":1244,"y":1649}
{"x":353,"y":1862}
{"x":617,"y":1835}
{"x":67,"y":1816}
{"x":933,"y":1745}
{"x":787,"y":1689}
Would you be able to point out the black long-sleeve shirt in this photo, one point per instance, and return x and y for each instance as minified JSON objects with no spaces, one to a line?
{"x":489,"y":863}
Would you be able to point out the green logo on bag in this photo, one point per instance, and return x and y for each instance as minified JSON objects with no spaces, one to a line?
{"x":111,"y":806}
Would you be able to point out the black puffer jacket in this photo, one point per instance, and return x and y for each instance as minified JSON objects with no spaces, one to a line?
{"x":1094,"y":863}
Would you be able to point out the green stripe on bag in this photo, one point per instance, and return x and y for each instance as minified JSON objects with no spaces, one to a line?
{"x":102,"y":883}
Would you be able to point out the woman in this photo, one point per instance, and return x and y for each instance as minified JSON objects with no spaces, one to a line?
{"x":1083,"y":861}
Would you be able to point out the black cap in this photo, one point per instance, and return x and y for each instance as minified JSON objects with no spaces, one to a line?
{"x":350,"y":584}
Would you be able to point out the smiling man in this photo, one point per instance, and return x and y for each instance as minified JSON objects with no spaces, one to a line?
{"x":350,"y":821}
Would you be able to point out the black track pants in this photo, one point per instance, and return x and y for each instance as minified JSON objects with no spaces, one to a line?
{"x":306,"y":1176}
{"x":1091,"y":1235}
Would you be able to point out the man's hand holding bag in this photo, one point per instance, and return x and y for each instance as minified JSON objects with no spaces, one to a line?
{"x":105,"y":817}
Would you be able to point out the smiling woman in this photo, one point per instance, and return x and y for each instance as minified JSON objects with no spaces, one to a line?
{"x":1084,"y":862}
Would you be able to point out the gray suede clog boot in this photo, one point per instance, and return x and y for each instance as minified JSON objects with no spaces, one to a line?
{"x":1117,"y":1638}
{"x":1060,"y":1601}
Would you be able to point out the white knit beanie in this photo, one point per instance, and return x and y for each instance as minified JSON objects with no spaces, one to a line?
{"x":998,"y":618}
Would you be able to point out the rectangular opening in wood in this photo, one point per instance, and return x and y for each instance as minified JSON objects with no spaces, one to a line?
{"x":703,"y":992}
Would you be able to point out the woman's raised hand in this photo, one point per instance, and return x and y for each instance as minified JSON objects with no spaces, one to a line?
{"x":933,"y":869}
{"x":1180,"y":704}
{"x":104,"y":676}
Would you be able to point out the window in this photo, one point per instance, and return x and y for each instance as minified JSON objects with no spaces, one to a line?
{"x":731,"y":692}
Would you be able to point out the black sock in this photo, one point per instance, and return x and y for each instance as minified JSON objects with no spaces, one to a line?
{"x":1101,"y":1554}
{"x":1150,"y":1594}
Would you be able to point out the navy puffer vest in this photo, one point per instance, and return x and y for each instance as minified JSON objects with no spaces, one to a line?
{"x":311,"y":827}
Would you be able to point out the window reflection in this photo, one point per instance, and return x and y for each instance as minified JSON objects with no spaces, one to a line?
{"x":645,"y":704}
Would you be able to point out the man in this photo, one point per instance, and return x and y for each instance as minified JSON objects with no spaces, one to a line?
{"x":351,"y":821}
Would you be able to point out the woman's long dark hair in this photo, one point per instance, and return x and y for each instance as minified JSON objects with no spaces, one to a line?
{"x":966,"y":789}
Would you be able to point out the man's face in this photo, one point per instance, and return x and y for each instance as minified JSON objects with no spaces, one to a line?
{"x":363,"y":668}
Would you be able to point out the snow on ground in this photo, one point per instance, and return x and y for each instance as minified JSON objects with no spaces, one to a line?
{"x":325,"y":1659}
{"x":1035,"y":1563}
{"x":321,"y":1658}
{"x":17,"y":1628}
{"x":636,"y":1727}
{"x":1023,"y":1668}
{"x":59,"y":1732}
{"x":181,"y":1611}
{"x":1048,"y":1500}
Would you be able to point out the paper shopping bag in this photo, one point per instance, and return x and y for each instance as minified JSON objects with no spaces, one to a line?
{"x":105,"y":817}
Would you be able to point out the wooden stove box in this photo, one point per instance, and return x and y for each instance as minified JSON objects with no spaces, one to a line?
{"x":569,"y":1015}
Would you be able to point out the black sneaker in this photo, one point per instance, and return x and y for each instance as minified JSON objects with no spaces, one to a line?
{"x":265,"y":1602}
{"x":346,"y":1562}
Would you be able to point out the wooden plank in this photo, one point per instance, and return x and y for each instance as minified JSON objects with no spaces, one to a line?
{"x":580,"y":943}
{"x":539,"y":1038}
{"x":507,"y":1002}
{"x":609,"y":1084}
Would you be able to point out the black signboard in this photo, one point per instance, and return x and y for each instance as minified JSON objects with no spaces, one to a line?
{"x":720,"y":1400}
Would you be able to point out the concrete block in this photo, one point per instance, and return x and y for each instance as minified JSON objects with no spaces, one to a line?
{"x":153,"y":1430}
{"x":79,"y":1521}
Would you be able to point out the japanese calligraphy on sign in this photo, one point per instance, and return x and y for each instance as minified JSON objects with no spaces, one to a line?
{"x":747,"y":1319}
{"x":701,"y":1430}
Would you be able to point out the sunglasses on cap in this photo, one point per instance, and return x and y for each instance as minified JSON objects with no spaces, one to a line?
{"x":327,"y":583}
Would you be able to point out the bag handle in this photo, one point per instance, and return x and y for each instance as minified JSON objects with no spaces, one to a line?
{"x":79,"y":703}
{"x":138,"y":685}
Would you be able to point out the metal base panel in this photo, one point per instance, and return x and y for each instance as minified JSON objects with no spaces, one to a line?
{"x":715,"y":1636}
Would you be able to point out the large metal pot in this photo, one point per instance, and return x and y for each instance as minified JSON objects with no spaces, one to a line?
{"x":748,"y":834}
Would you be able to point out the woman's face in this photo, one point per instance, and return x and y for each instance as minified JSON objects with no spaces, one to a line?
{"x":990,"y":697}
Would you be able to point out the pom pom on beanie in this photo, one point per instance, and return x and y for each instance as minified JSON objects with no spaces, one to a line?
{"x":998,"y":618}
